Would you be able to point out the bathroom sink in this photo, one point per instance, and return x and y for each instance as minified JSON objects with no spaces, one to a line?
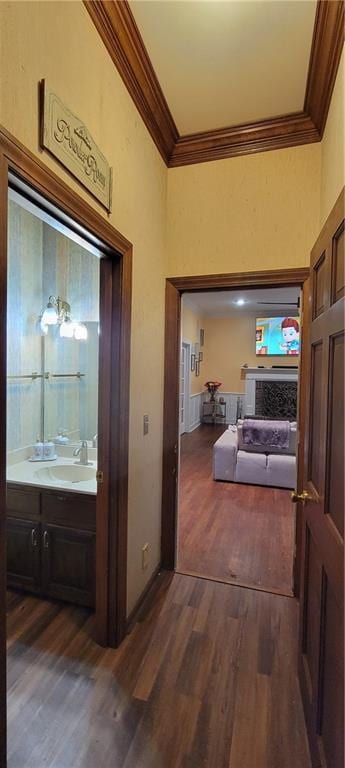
{"x":69,"y":473}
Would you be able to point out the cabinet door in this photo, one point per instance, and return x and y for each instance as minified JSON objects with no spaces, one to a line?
{"x":23,"y":554}
{"x":68,"y":564}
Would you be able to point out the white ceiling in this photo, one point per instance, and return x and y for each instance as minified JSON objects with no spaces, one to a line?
{"x":228,"y":62}
{"x":224,"y":303}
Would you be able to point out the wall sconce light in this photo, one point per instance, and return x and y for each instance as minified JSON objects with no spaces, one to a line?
{"x":58,"y":312}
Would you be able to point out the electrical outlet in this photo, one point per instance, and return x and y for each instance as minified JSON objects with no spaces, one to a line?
{"x":145,"y":556}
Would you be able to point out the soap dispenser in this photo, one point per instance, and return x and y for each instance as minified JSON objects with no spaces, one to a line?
{"x":38,"y":450}
{"x":63,"y":439}
{"x":49,"y":451}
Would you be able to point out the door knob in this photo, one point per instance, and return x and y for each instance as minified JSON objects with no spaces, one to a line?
{"x":303,"y":497}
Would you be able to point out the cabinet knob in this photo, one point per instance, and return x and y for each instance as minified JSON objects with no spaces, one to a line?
{"x":34,"y":541}
{"x":46,"y":539}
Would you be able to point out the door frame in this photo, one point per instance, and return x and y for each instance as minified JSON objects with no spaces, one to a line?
{"x":175,"y":287}
{"x":115,"y":310}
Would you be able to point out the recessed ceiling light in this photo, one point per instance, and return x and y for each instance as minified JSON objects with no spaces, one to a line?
{"x":240,"y":302}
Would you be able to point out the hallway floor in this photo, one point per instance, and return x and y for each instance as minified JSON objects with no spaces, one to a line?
{"x":206,"y":680}
{"x":228,"y":531}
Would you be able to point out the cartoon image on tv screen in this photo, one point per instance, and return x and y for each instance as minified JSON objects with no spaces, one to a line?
{"x":277,"y":336}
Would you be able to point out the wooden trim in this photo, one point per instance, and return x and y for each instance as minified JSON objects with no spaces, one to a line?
{"x":266,"y":278}
{"x":274,"y":133}
{"x":170,"y":424}
{"x":116,"y":25}
{"x":3,"y":385}
{"x":304,"y":377}
{"x":119,"y":32}
{"x":175,"y":287}
{"x":114,"y":377}
{"x":234,"y":583}
{"x":119,"y":418}
{"x":145,"y":600}
{"x":327,"y":46}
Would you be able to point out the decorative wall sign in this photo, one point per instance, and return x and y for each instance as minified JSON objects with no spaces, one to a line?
{"x":68,"y":139}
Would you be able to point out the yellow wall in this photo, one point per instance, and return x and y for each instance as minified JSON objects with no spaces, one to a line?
{"x":255,"y":212}
{"x":58,"y":41}
{"x":332,"y":147}
{"x":229,"y":343}
{"x":191,"y":322}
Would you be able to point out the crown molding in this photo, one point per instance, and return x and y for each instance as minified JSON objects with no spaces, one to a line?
{"x":117,"y":27}
{"x":275,"y":133}
{"x":326,"y":49}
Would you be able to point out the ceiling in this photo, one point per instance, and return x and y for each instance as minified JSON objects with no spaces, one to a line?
{"x":224,"y":303}
{"x":222,"y":63}
{"x":214,"y":79}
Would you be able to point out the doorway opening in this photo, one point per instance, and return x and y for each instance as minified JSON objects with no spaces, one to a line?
{"x":220,"y":425}
{"x":238,"y":464}
{"x":65,"y":284}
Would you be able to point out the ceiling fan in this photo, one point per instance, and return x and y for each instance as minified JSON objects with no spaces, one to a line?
{"x":282,"y":303}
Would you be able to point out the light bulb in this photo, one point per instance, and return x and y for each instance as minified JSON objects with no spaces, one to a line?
{"x":43,"y":327}
{"x":49,"y":316}
{"x":80,"y":332}
{"x":67,"y":329}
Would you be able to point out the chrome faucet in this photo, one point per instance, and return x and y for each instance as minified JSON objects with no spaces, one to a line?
{"x":81,"y":451}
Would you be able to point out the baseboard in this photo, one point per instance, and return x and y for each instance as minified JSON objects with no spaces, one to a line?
{"x":144,"y":600}
{"x":194,"y":426}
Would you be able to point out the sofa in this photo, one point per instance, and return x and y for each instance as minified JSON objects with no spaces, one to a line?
{"x":237,"y":462}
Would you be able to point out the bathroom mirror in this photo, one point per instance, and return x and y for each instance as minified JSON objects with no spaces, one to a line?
{"x":53,"y":330}
{"x":70,"y":362}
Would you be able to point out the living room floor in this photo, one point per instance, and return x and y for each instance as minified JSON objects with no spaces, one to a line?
{"x":238,"y":534}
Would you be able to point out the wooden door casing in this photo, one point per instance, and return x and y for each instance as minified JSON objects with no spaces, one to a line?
{"x":175,"y":287}
{"x":112,"y":497}
{"x":321,"y":665}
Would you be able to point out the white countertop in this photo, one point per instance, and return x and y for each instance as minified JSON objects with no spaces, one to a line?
{"x":25,"y":472}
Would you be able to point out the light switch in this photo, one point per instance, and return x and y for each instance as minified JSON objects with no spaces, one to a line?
{"x":146,"y":424}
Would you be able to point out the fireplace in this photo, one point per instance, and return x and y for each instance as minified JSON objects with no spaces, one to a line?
{"x":276,"y":399}
{"x":271,"y":393}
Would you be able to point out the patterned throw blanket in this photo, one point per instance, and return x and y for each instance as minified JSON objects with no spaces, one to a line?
{"x":266,"y":433}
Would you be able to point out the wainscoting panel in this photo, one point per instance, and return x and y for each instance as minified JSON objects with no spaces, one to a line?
{"x":194,"y":413}
{"x":234,"y":407}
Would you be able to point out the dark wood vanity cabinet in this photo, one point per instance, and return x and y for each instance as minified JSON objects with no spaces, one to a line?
{"x":68,"y":564}
{"x":23,"y":554}
{"x":51,"y":543}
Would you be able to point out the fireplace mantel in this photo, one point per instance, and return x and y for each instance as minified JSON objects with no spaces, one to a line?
{"x":253,"y":375}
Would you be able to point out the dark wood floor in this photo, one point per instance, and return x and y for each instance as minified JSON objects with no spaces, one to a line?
{"x":206,"y":680}
{"x":228,"y":531}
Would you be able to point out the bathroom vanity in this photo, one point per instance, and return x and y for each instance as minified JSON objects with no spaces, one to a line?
{"x":51,"y":542}
{"x":51,"y":527}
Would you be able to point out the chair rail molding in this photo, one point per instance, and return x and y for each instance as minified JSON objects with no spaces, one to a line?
{"x":116,"y":25}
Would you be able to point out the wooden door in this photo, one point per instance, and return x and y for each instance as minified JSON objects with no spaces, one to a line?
{"x":23,"y":554}
{"x":321,"y":663}
{"x":68,"y":564}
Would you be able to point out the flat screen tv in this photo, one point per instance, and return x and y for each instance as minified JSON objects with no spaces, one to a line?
{"x":277,"y":336}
